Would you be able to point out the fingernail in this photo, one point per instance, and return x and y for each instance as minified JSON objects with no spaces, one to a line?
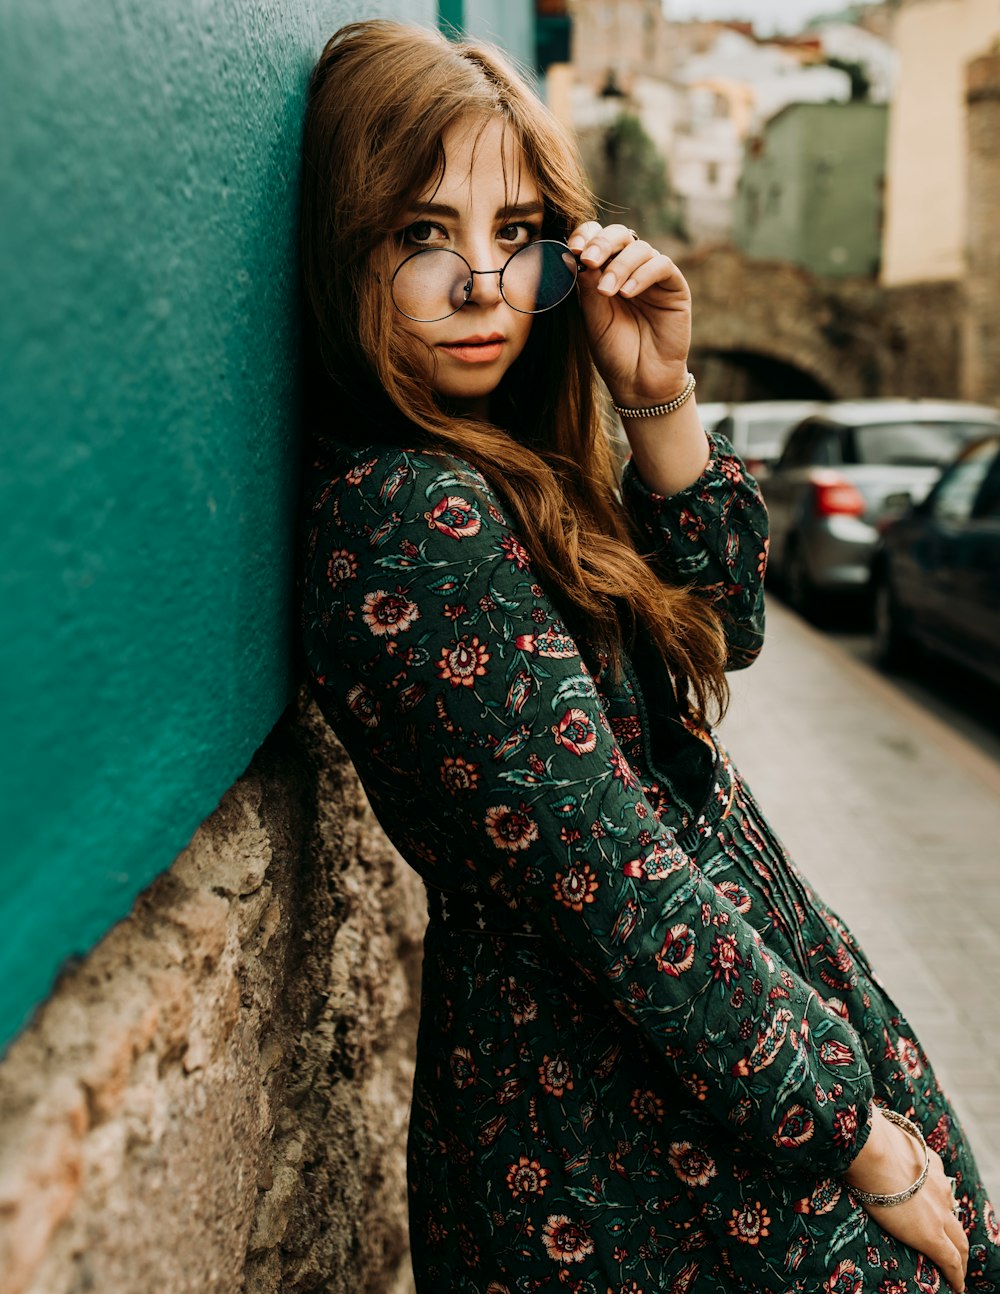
{"x":576,"y":242}
{"x":592,"y":254}
{"x":629,"y":286}
{"x":607,"y":284}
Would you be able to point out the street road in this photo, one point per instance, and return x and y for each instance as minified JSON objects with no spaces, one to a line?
{"x":958,"y":698}
{"x":894,"y":815}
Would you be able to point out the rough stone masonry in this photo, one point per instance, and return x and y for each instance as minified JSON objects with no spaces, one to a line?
{"x":982,"y":279}
{"x":214,"y":1100}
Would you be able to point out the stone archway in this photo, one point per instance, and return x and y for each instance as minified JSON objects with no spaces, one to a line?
{"x":771,"y":329}
{"x":751,"y":375}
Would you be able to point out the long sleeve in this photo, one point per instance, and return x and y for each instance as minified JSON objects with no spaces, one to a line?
{"x":712,"y":535}
{"x":480,"y":737}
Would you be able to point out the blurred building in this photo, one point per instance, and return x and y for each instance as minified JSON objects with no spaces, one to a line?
{"x":943,"y":187}
{"x":849,"y":44}
{"x":775,"y":73}
{"x":981,"y":287}
{"x":927,"y":170}
{"x":700,"y":89}
{"x":620,"y":39}
{"x":811,"y":189}
{"x":706,"y":154}
{"x":728,"y":91}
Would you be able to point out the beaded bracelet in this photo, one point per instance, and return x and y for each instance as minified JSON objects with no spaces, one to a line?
{"x":887,"y":1201}
{"x":658,"y":410}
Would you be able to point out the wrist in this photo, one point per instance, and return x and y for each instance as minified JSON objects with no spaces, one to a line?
{"x":890,"y":1162}
{"x":669,"y":385}
{"x":660,"y":408}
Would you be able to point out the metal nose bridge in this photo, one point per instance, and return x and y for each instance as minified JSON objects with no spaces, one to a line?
{"x":471,"y":281}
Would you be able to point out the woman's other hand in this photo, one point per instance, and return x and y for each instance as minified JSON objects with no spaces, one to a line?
{"x":637,"y":306}
{"x":888,"y":1162}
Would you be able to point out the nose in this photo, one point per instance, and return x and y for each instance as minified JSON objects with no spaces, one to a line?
{"x":485,"y":289}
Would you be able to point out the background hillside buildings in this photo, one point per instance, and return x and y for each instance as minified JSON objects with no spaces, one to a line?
{"x":702,"y":90}
{"x":811,"y":188}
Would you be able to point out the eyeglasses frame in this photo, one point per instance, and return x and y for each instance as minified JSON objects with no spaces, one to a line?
{"x":467,"y":290}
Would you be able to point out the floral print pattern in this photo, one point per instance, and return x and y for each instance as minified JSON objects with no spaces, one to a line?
{"x":647,"y":1049}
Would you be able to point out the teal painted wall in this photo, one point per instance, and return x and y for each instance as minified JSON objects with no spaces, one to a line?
{"x":811,"y":192}
{"x":510,"y":25}
{"x":149,"y":408}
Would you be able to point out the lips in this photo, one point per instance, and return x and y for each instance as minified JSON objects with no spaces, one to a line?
{"x":475,"y":350}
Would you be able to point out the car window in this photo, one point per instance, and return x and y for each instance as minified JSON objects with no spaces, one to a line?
{"x":910,"y":444}
{"x":958,"y":489}
{"x":987,"y":504}
{"x":801,"y":446}
{"x":791,"y":454}
{"x":825,"y":450}
{"x":766,"y":431}
{"x":724,"y":427}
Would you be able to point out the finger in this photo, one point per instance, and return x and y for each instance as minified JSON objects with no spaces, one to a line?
{"x":950,"y":1261}
{"x":659,"y":270}
{"x":956,"y":1234}
{"x":582,"y":235}
{"x":604,"y":244}
{"x":620,"y":268}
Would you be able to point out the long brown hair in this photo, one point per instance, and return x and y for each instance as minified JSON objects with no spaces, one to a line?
{"x":381,"y":97}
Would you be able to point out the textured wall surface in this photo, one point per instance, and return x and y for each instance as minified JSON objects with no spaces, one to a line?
{"x":148,"y":405}
{"x":849,"y":336}
{"x":215,"y":1099}
{"x":982,"y":278}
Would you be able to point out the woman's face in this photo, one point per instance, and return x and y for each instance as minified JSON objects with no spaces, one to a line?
{"x":486,"y":206}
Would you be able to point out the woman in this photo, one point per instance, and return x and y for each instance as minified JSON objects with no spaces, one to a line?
{"x":649,"y":1057}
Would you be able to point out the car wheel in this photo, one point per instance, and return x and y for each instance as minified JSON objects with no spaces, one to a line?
{"x":892,"y":648}
{"x":799,"y":588}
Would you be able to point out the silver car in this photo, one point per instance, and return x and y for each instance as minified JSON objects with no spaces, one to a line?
{"x":840,"y":478}
{"x":758,"y":429}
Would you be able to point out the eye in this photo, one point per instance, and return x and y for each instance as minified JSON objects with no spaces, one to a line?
{"x":518,"y":233}
{"x":423,"y":233}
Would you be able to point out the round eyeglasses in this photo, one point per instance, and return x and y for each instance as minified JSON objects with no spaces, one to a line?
{"x":436,"y":282}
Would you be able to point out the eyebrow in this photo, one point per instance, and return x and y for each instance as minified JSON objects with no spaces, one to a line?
{"x":504,"y":213}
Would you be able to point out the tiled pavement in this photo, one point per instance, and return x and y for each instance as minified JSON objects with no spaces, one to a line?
{"x":895,"y":819}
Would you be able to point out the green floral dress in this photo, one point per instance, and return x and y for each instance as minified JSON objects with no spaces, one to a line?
{"x":647,"y":1049}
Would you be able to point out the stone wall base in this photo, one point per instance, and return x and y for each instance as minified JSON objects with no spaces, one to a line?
{"x":215,"y":1099}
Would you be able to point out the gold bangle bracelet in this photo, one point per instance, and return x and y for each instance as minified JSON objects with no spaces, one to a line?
{"x":887,"y":1201}
{"x":658,"y":410}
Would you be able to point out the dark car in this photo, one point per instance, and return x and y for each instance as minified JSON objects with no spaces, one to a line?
{"x":936,"y":576}
{"x":827,"y":495}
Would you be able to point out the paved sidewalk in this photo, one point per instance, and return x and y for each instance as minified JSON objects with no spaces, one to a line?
{"x":895,"y":818}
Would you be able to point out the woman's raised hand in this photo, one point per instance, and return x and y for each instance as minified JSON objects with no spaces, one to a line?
{"x":637,"y":307}
{"x":889,"y":1160}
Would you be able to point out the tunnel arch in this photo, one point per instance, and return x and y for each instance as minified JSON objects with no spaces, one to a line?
{"x":753,"y":375}
{"x":767,"y":329}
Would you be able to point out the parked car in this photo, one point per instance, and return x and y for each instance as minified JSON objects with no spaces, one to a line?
{"x":712,"y":412}
{"x":841,"y":474}
{"x":936,"y":575}
{"x":758,"y":429}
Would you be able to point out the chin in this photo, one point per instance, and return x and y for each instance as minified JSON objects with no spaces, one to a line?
{"x":480,"y":388}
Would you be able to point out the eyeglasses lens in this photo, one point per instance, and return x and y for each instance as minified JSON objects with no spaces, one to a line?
{"x":431,"y":284}
{"x":538,"y":277}
{"x":436,"y":282}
